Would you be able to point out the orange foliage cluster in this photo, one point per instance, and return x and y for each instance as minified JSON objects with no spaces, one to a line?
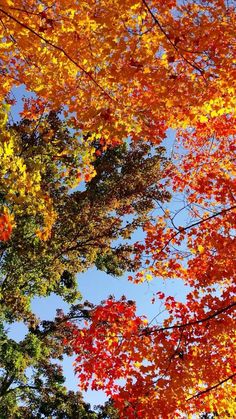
{"x":6,"y":225}
{"x":130,"y":68}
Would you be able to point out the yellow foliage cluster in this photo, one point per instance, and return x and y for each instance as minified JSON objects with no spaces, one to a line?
{"x":20,"y":180}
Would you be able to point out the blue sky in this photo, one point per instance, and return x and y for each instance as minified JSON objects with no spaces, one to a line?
{"x":96,"y":286}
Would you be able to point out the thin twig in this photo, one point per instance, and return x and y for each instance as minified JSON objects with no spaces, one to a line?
{"x":196,"y":67}
{"x":182,"y":229}
{"x":200,"y":393}
{"x":191,"y":323}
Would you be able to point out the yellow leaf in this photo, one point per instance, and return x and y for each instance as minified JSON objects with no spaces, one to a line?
{"x":137,"y":364}
{"x":200,"y":248}
{"x":203,"y":118}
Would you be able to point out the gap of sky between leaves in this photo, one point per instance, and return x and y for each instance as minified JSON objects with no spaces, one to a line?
{"x":96,"y":286}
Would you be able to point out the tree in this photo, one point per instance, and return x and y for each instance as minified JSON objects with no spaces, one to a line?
{"x":123,"y":74}
{"x":31,"y":383}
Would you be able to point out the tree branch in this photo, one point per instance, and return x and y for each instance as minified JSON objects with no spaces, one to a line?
{"x":196,"y":67}
{"x":216,"y":214}
{"x":200,"y":393}
{"x":60,"y":49}
{"x":191,"y":323}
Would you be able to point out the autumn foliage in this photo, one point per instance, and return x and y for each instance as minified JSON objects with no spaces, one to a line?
{"x":6,"y":223}
{"x":107,"y":81}
{"x":180,"y":361}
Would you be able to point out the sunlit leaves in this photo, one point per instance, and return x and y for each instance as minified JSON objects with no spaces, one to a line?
{"x":124,"y":72}
{"x":121,"y":68}
{"x":140,"y":365}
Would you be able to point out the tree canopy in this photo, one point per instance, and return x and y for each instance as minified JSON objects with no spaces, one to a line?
{"x":87,"y":164}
